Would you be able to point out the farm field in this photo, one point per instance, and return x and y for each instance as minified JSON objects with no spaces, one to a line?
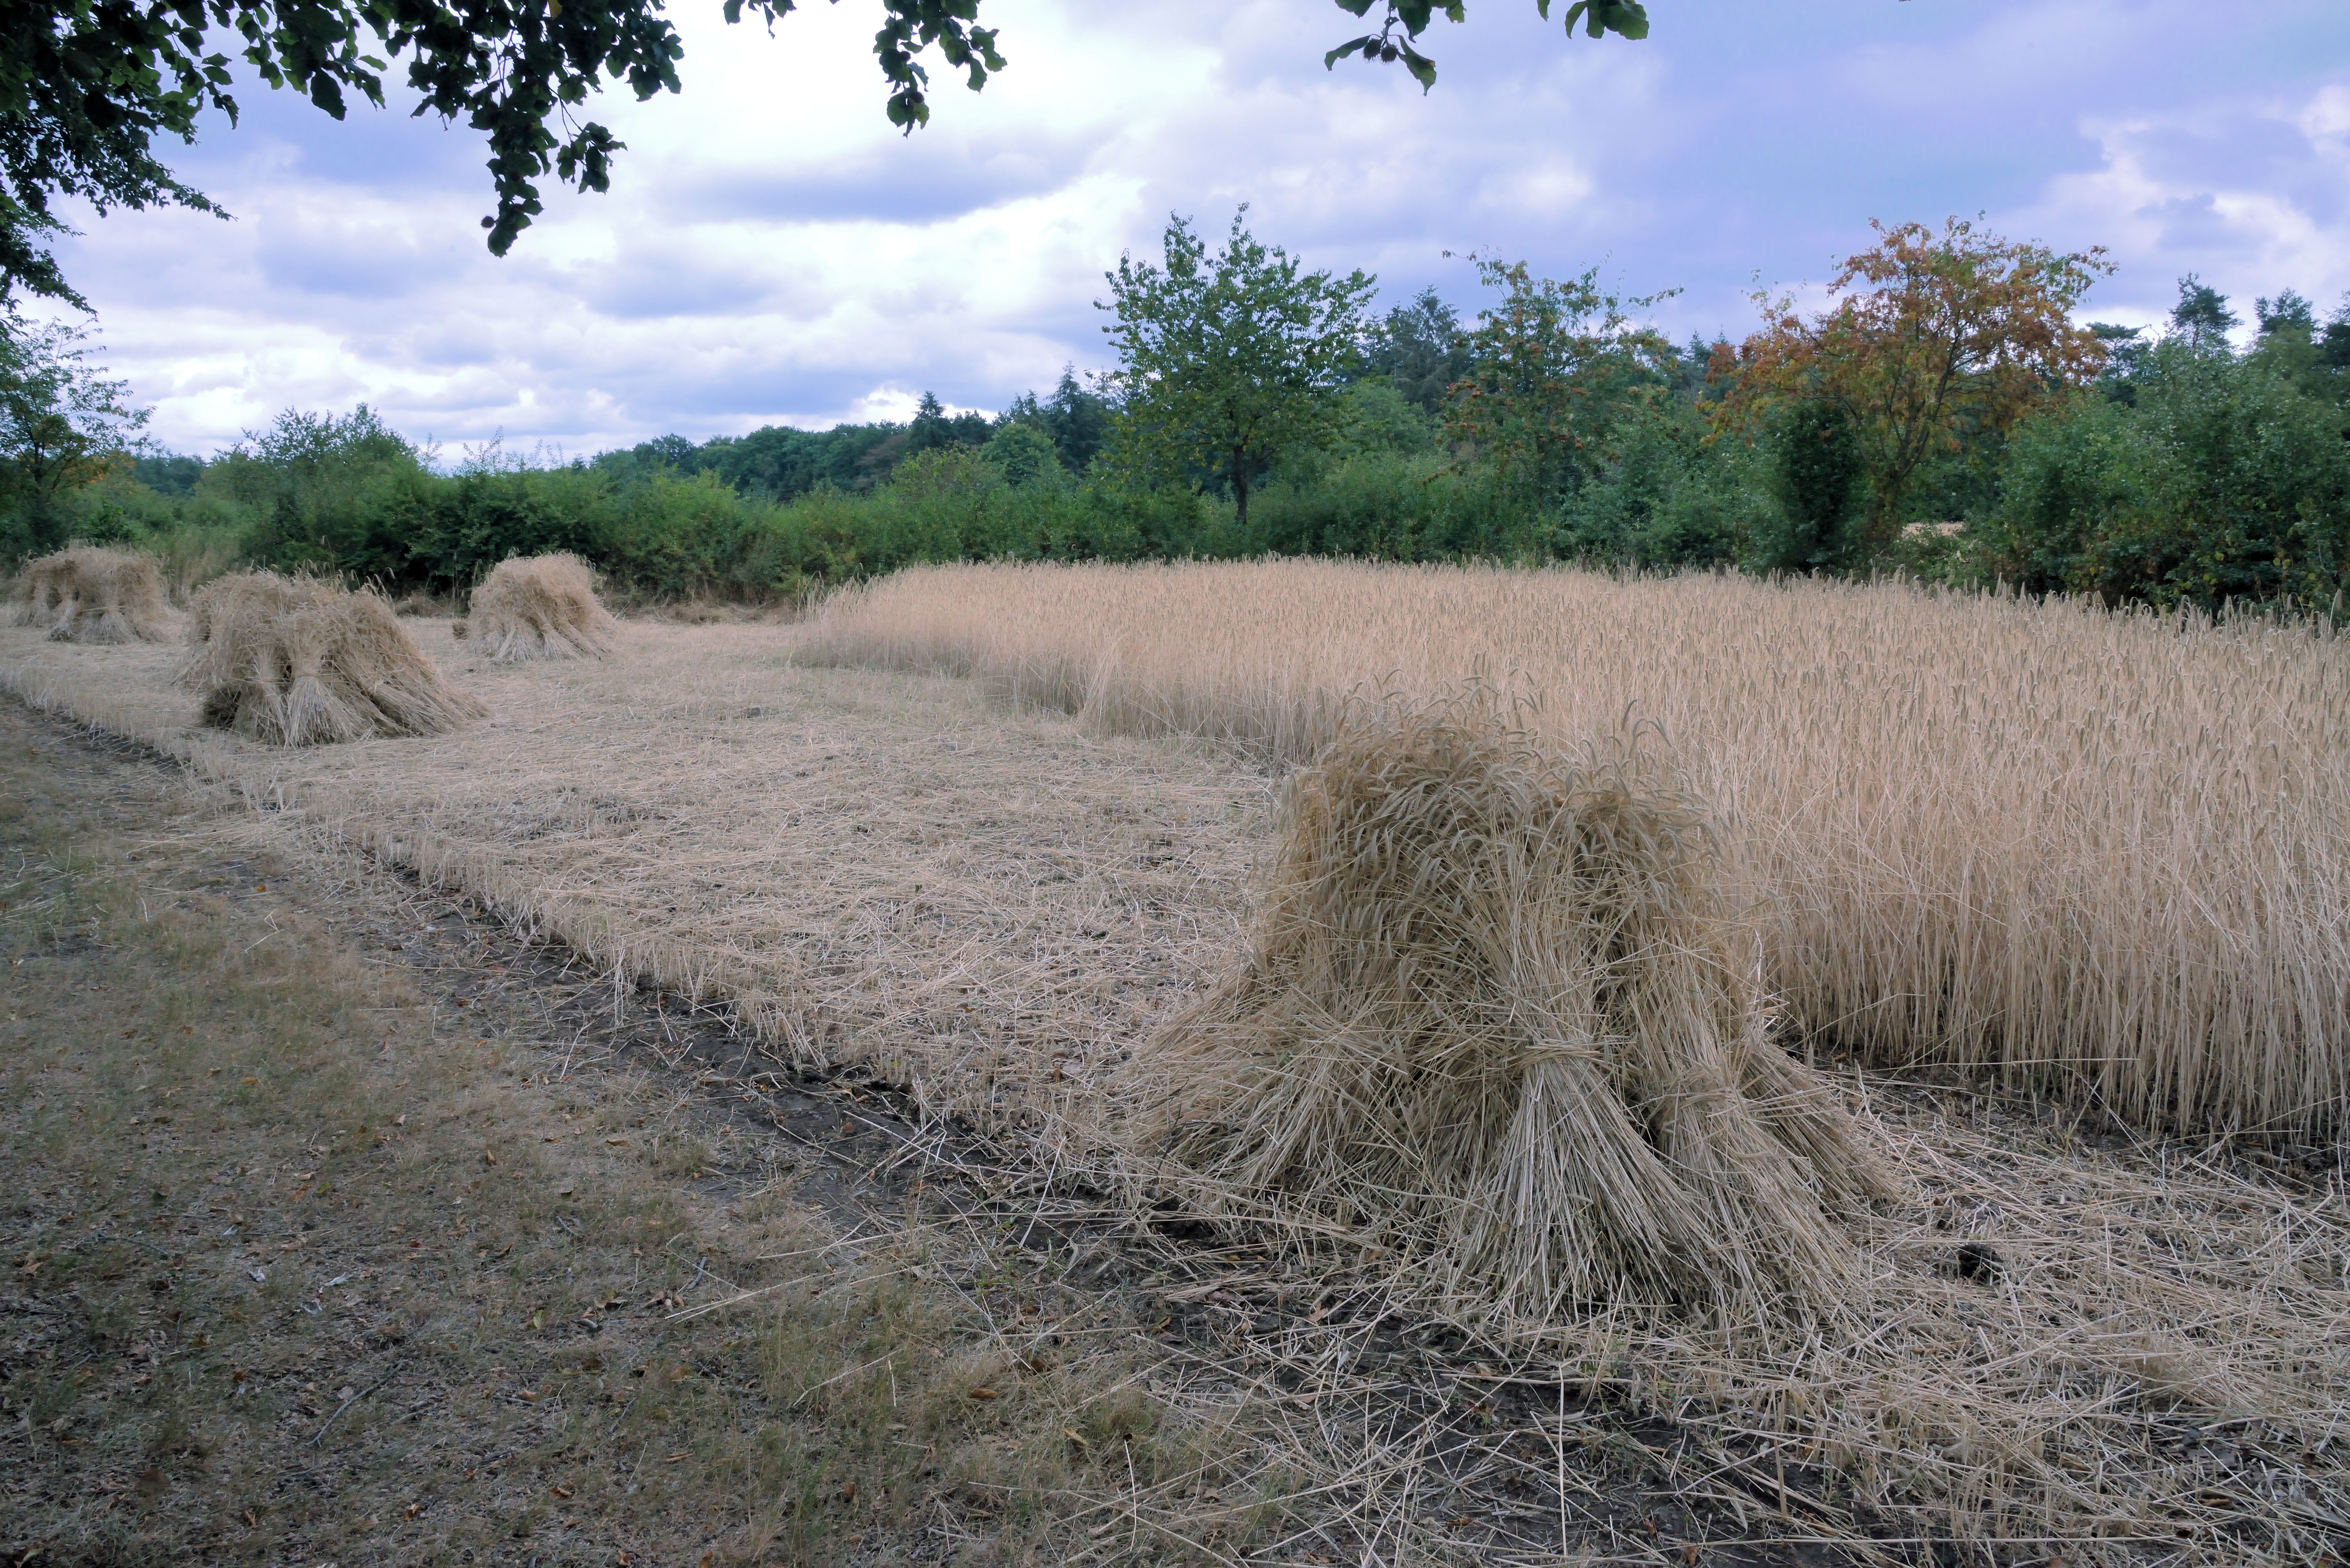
{"x":849,"y":858}
{"x":974,"y":831}
{"x":346,"y":1225}
{"x":2098,"y":851}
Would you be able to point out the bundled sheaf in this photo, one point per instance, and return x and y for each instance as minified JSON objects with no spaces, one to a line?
{"x":89,"y":595}
{"x":294,"y":662}
{"x":1497,"y":1024}
{"x":539,"y":606}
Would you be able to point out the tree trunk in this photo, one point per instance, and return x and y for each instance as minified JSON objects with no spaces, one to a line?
{"x":1240,"y":488}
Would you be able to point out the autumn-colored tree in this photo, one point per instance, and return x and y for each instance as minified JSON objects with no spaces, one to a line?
{"x":1555,"y":369}
{"x":1929,"y":337}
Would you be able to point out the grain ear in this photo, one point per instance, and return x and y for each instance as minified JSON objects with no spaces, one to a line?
{"x":2053,"y":845}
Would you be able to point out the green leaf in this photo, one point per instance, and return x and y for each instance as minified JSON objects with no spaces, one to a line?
{"x":1629,"y":17}
{"x":1422,"y":69}
{"x":1366,"y":45}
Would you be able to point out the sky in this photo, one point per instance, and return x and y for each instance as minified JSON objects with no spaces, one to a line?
{"x":772,"y":252}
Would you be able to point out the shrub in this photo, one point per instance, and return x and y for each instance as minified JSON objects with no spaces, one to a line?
{"x":2222,"y":479}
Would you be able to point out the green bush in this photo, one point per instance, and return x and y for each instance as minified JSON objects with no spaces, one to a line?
{"x":1665,"y":499}
{"x":2221,"y":479}
{"x":2217,"y":477}
{"x":1816,"y":477}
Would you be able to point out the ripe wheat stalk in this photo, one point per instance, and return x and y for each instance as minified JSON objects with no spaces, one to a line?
{"x":2103,"y":852}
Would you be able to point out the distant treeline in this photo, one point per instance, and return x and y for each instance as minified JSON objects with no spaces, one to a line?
{"x":2175,"y":467}
{"x":780,"y":463}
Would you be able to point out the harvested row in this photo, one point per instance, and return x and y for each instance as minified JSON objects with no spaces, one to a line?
{"x":2105,"y":852}
{"x":89,"y":595}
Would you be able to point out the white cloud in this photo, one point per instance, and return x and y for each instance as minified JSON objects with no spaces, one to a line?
{"x":2250,"y":194}
{"x":773,"y":251}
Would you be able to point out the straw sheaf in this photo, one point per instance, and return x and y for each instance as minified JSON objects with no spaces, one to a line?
{"x":92,"y":594}
{"x":1497,"y":1020}
{"x":539,"y":606}
{"x":294,"y":662}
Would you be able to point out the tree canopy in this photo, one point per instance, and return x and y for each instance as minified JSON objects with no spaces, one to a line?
{"x":1395,"y":41}
{"x":1933,"y":336}
{"x":1553,"y":370}
{"x":1419,"y":346}
{"x":62,"y":425}
{"x":86,"y":86}
{"x":1228,"y":360}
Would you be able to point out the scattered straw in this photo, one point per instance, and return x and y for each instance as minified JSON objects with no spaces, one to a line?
{"x":90,"y":594}
{"x":294,"y":662}
{"x":539,"y":606}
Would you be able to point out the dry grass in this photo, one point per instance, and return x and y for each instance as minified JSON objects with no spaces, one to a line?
{"x":872,"y":868}
{"x":2103,"y":852}
{"x":336,"y":1232}
{"x":1495,"y":1021}
{"x":289,"y":661}
{"x":90,"y":594}
{"x":539,"y":606}
{"x":2146,"y":1364}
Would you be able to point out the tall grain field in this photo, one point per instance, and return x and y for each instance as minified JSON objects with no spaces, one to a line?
{"x":2106,"y":852}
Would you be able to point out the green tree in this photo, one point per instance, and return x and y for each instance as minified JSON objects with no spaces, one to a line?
{"x":1406,"y":20}
{"x":935,"y":430}
{"x":1077,"y":420}
{"x":2124,"y":348}
{"x":2224,"y":479}
{"x":2333,"y":344}
{"x":1025,"y":453}
{"x":2201,"y":315}
{"x":63,"y":425}
{"x":88,"y":86}
{"x":1816,"y":478}
{"x":1554,"y":371}
{"x":1227,"y":360}
{"x":346,"y":494}
{"x":1419,"y":347}
{"x":1934,"y":340}
{"x":932,"y":429}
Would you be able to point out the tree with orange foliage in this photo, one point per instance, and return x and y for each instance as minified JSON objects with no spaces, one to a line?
{"x":1931,"y":337}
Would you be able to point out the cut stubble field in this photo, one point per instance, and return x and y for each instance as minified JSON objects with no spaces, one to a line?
{"x":867,"y":865}
{"x":982,"y":871}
